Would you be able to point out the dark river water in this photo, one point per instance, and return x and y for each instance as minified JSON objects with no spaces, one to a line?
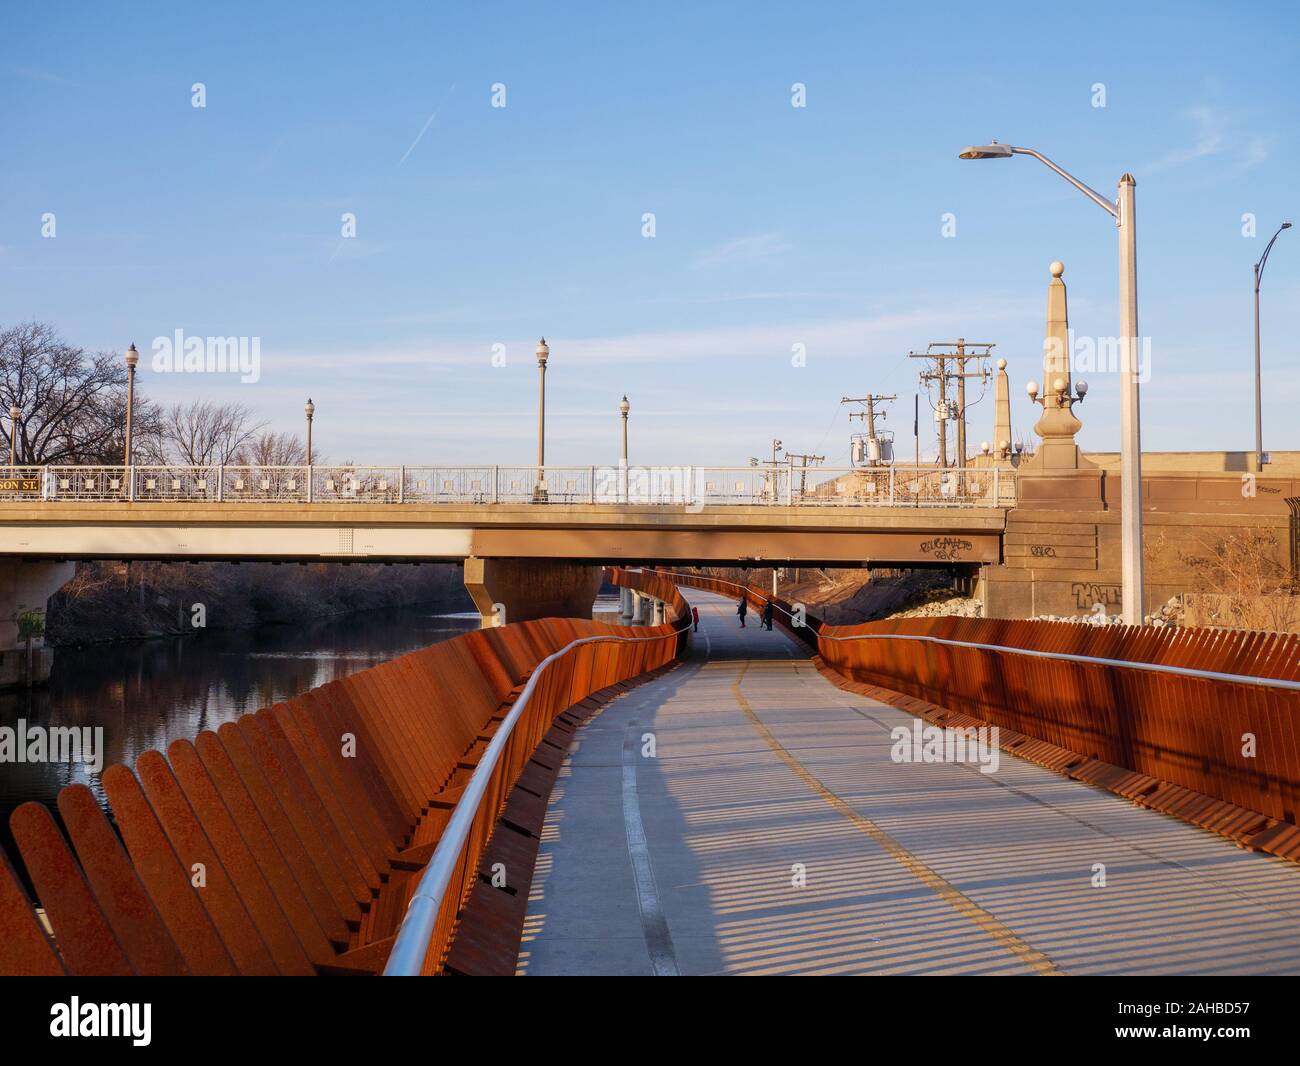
{"x":147,"y":694}
{"x":150,"y":693}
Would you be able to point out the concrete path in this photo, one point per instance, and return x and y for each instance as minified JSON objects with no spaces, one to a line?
{"x":771,"y":832}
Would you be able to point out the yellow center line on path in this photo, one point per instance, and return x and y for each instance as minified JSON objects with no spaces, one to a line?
{"x":954,"y":897}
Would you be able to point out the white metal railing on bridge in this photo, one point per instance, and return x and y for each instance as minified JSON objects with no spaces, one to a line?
{"x":685,"y":486}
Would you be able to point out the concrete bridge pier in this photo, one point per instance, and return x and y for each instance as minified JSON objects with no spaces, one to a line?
{"x":518,"y":590}
{"x":26,"y":586}
{"x":625,"y":605}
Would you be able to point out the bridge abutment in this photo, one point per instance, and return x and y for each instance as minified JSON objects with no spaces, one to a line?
{"x":518,"y":590}
{"x":25,"y":588}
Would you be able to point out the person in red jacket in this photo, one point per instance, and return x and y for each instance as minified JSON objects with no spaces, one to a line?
{"x":695,"y":617}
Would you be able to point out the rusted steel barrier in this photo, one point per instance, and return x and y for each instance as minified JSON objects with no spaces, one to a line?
{"x":1213,"y":711}
{"x":293,"y":839}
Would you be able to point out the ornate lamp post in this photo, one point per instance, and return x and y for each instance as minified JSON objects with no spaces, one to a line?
{"x":310,"y":409}
{"x":543,"y":353}
{"x":14,"y":415}
{"x":624,"y":407}
{"x":132,"y":360}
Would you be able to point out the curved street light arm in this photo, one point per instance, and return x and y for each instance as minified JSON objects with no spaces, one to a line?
{"x":1096,"y":197}
{"x":1263,"y":259}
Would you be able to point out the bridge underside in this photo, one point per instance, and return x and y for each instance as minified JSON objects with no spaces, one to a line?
{"x":593,"y":533}
{"x":772,"y":832}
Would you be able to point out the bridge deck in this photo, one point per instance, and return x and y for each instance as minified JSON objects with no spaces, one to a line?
{"x":683,"y":863}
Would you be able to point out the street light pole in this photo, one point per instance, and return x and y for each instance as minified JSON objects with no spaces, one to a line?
{"x":543,"y":353}
{"x":310,"y":409}
{"x":14,"y":415}
{"x":1130,"y":421}
{"x":1123,"y":211}
{"x":132,"y":359}
{"x":1260,"y":459}
{"x":624,"y":407}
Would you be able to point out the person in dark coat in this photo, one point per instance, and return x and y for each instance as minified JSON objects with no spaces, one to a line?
{"x":741,"y":609}
{"x":768,"y":610}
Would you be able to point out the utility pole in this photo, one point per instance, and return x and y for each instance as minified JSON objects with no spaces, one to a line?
{"x":960,"y":352}
{"x":772,"y":465}
{"x":939,"y":375}
{"x":804,"y":460}
{"x":869,"y":414}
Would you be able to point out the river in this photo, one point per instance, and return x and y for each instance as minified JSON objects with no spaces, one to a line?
{"x":146,"y":694}
{"x":149,"y":693}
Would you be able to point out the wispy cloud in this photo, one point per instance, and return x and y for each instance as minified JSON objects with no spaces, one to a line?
{"x":428,"y":122}
{"x":1216,"y":133}
{"x":34,"y":74}
{"x":743,"y":250}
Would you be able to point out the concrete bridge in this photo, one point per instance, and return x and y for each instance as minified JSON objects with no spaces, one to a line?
{"x":1031,"y":540}
{"x":533,"y":538}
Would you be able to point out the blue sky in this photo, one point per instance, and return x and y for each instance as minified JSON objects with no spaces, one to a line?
{"x":775,"y":225}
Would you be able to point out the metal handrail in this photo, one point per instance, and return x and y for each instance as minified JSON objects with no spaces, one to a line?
{"x":1128,"y":664}
{"x":412,"y":941}
{"x":1159,"y":668}
{"x":692,"y":486}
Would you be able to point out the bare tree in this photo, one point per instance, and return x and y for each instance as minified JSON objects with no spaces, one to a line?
{"x":203,"y":433}
{"x":73,"y":403}
{"x":274,"y":449}
{"x":1243,"y":582}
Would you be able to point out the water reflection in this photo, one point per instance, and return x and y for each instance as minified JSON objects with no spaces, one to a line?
{"x":146,"y":695}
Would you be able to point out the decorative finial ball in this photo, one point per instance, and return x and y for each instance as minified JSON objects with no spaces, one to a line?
{"x":1057,"y":268}
{"x":1031,"y":387}
{"x":1004,"y":445}
{"x":984,"y":447}
{"x":1058,"y":385}
{"x":1002,"y":364}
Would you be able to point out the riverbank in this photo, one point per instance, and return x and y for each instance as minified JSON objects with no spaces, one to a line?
{"x":110,"y":602}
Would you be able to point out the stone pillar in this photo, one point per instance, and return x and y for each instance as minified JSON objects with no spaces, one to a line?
{"x":1002,"y":443}
{"x":517,"y":590}
{"x":1058,"y":474}
{"x":26,"y":586}
{"x":658,"y":613}
{"x":625,"y":605}
{"x":1058,"y":425}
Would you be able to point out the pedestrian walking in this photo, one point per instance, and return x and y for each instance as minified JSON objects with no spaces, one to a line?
{"x":768,"y":611}
{"x":695,"y":617}
{"x":741,"y":609}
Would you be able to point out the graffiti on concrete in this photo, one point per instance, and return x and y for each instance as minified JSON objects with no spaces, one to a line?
{"x":946,"y":549}
{"x":1087,"y":594}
